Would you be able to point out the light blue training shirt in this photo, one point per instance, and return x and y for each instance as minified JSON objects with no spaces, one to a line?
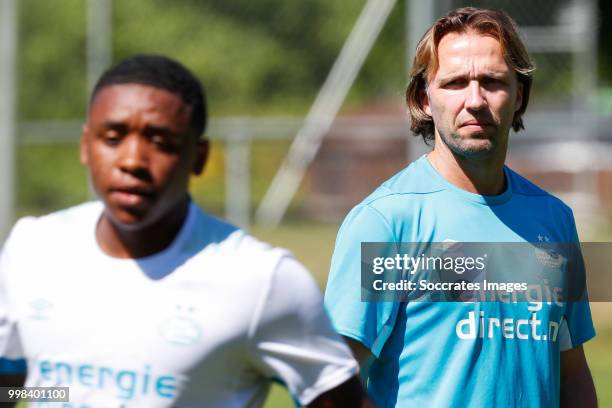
{"x":422,"y":357}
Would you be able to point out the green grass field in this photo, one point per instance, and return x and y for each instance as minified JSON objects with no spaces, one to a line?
{"x":313,"y":244}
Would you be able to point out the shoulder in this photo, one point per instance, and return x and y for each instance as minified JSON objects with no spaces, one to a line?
{"x":69,"y":222}
{"x":224,"y":238}
{"x":410,"y":185}
{"x":397,"y":198}
{"x":290,"y":289}
{"x":549,"y":210}
{"x":268,"y":280}
{"x":240,"y":255}
{"x":415,"y":180}
{"x":539,"y":197}
{"x":72,"y":216}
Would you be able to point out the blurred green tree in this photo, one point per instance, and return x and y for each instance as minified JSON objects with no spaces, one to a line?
{"x":264,"y":57}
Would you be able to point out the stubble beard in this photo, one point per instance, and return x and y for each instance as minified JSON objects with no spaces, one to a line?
{"x":476,"y":146}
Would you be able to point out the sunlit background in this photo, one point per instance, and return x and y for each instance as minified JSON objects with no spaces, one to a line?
{"x":306,"y":106}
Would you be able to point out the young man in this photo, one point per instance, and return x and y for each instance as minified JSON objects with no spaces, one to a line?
{"x":470,"y":84}
{"x":143,"y":300}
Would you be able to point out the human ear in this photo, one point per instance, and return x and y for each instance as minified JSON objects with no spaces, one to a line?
{"x":518,"y":103}
{"x":202,"y":151}
{"x":424,"y":98}
{"x":83,"y":153}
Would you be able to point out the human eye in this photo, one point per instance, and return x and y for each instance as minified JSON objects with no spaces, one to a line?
{"x":493,"y":82}
{"x":454,"y":83}
{"x":159,"y":140}
{"x":111,"y":137}
{"x":164,"y":142}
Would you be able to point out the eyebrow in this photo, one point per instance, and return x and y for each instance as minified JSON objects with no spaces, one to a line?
{"x":458,"y":74}
{"x":162,"y":130}
{"x":113,"y":124}
{"x":119,"y":125}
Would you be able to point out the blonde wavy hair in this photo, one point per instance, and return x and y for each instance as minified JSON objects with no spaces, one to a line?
{"x":489,"y":22}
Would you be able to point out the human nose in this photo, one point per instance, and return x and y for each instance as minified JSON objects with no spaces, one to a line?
{"x":133,"y":155}
{"x":474,"y":99}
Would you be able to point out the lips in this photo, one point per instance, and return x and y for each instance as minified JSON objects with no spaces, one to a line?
{"x":475,"y":123}
{"x":131,"y":196}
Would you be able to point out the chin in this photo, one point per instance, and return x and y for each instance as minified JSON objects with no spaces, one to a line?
{"x":129,"y":220}
{"x":475,"y":148}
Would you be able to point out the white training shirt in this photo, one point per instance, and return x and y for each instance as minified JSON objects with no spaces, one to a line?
{"x":207,"y":322}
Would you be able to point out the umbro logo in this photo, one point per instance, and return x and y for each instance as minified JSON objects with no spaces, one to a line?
{"x":39,"y":309}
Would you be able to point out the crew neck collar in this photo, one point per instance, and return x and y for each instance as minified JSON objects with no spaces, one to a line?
{"x":160,"y":256}
{"x":489,"y":200}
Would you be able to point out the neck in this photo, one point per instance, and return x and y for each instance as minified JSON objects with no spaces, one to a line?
{"x":484,"y":176}
{"x":120,"y":242}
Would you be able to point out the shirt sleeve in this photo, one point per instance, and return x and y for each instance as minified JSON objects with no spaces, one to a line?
{"x":11,"y":353}
{"x":577,"y":326}
{"x":370,"y":323}
{"x":292,"y":338}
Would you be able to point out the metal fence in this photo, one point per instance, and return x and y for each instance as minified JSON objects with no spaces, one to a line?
{"x":560,"y":34}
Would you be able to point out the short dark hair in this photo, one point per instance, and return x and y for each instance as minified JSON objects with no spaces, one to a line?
{"x":163,"y":73}
{"x":487,"y":22}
